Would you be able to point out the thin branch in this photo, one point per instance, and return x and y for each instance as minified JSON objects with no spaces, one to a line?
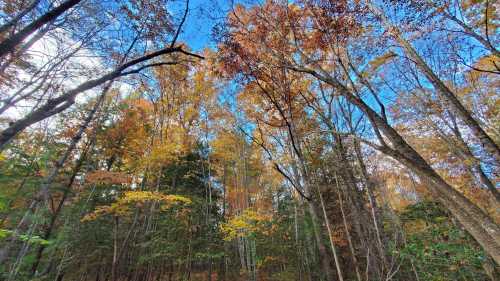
{"x":178,"y":31}
{"x":275,"y":165}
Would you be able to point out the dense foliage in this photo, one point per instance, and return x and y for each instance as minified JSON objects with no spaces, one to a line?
{"x":311,"y":140}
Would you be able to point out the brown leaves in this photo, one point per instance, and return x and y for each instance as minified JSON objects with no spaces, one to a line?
{"x":107,"y":177}
{"x":153,"y":16}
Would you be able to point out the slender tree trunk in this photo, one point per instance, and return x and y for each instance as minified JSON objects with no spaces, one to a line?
{"x":475,"y":221}
{"x":476,"y":165}
{"x":486,"y":141}
{"x":43,"y":193}
{"x":115,"y":250}
{"x":374,"y":211}
{"x":348,"y":232}
{"x":330,"y":234}
{"x":53,"y":220}
{"x":297,"y":242}
{"x":356,"y":205}
{"x":9,"y":244}
{"x":323,"y":254}
{"x":308,"y":245}
{"x":316,"y":222}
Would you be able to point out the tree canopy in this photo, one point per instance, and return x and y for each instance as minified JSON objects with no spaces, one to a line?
{"x":299,"y":140}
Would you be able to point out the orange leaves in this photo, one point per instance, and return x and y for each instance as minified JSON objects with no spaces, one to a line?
{"x":285,"y":28}
{"x":127,"y":138}
{"x":378,"y":62}
{"x":400,"y":187}
{"x":252,"y":33}
{"x":338,"y":237}
{"x":107,"y":177}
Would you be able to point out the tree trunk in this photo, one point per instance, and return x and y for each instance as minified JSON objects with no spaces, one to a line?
{"x":316,"y":222}
{"x":348,"y":232}
{"x":486,"y":141}
{"x":15,"y":39}
{"x":323,"y":254}
{"x":330,"y":234}
{"x":64,"y":101}
{"x":475,"y":221}
{"x":115,"y":250}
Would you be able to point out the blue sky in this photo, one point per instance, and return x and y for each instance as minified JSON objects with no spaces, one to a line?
{"x":202,"y":17}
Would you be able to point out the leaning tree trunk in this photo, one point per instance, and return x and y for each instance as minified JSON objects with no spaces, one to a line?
{"x":486,"y":141}
{"x":475,"y":221}
{"x":56,"y":105}
{"x":17,"y":38}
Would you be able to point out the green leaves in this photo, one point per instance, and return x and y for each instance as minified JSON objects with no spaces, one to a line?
{"x":4,"y":233}
{"x":35,"y":240}
{"x":437,"y":247}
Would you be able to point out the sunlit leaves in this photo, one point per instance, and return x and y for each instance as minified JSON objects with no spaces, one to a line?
{"x":122,"y":207}
{"x":248,"y":223}
{"x":31,"y":239}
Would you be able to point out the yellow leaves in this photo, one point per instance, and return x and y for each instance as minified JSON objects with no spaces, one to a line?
{"x":164,"y":153}
{"x":139,"y":197}
{"x":486,"y":63}
{"x":114,"y":209}
{"x":247,"y":223}
{"x":203,"y":84}
{"x":225,"y":145}
{"x":415,"y":226}
{"x":177,"y":199}
{"x":136,"y":198}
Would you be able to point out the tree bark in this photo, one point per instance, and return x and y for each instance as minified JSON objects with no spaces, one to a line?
{"x":475,"y":221}
{"x":61,"y":103}
{"x":316,"y":222}
{"x":486,"y":141}
{"x":9,"y":44}
{"x":348,"y":233}
{"x":330,"y":234}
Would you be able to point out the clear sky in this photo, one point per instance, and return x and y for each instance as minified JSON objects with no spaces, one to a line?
{"x":203,"y":16}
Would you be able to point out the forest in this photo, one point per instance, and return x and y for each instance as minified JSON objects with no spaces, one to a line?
{"x":249,"y":140}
